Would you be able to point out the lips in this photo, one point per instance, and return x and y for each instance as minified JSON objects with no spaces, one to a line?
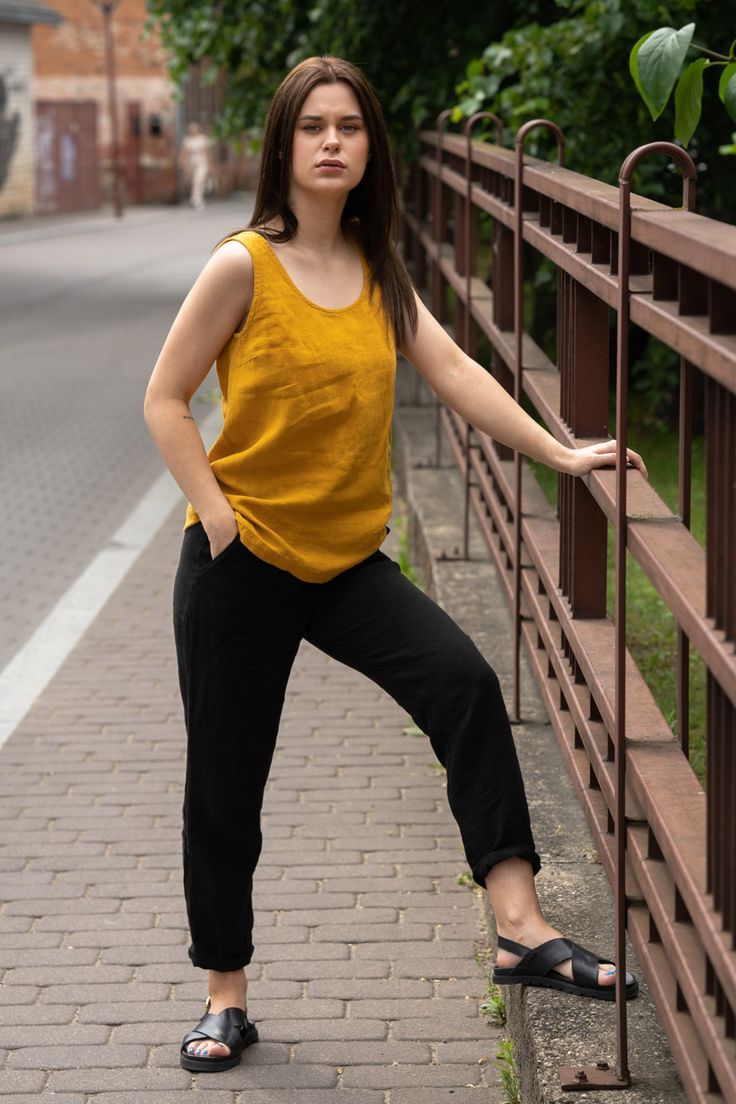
{"x":335,"y":164}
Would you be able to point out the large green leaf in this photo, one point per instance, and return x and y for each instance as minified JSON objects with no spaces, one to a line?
{"x":658,"y":62}
{"x":729,"y":94}
{"x":633,"y":65}
{"x":688,"y":100}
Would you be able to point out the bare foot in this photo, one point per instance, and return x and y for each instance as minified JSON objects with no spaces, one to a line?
{"x":227,"y":990}
{"x":532,"y":938}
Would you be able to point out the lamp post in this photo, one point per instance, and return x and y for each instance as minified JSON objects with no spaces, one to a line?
{"x":107,"y":7}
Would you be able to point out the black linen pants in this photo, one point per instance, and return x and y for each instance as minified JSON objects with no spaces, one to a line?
{"x":238,"y":623}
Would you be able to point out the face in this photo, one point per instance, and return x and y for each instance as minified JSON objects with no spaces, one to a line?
{"x":330,"y":127}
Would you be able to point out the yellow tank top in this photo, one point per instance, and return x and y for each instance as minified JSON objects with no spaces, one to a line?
{"x":304,"y":455}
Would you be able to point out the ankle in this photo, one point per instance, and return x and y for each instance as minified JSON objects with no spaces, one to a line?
{"x":526,"y":930}
{"x":227,"y":981}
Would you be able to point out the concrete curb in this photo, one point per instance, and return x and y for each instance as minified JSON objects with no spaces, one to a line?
{"x":548,"y":1028}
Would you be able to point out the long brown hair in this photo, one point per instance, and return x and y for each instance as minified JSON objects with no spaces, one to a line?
{"x":371,"y":211}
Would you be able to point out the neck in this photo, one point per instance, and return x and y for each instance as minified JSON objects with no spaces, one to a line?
{"x":320,"y":228}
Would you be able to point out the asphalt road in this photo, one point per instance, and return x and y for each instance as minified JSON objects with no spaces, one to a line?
{"x":86,"y":302}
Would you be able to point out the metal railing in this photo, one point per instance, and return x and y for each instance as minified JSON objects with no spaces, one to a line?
{"x":667,"y":847}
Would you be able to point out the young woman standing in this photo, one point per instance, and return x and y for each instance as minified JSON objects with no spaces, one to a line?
{"x":304,"y":312}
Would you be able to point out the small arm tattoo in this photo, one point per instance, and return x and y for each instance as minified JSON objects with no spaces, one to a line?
{"x":187,"y":417}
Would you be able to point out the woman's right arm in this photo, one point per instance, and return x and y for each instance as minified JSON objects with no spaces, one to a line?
{"x":217,"y":301}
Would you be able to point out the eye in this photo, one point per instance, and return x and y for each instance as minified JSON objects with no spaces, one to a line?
{"x":310,"y":126}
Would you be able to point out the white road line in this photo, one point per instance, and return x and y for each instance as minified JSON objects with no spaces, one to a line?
{"x":31,"y":669}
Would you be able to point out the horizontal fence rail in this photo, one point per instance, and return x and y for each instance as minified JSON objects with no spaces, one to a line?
{"x":668,"y":847}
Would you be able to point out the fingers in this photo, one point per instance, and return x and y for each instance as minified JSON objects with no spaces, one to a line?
{"x":633,"y":459}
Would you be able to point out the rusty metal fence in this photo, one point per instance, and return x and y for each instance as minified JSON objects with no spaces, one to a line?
{"x":668,"y":847}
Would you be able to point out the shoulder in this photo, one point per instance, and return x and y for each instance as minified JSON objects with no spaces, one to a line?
{"x":228,"y":277}
{"x":233,"y":256}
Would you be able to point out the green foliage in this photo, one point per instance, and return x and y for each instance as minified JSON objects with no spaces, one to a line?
{"x":655,"y":63}
{"x":569,"y":63}
{"x":507,"y":1066}
{"x":255,"y":43}
{"x":494,"y":1005}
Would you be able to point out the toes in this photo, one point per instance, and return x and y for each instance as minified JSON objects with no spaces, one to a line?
{"x":202,"y":1050}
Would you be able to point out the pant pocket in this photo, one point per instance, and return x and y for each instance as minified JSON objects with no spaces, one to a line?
{"x":206,"y":560}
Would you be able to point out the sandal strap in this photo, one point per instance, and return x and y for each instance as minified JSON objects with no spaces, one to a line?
{"x":226,"y":1027}
{"x":511,"y":945}
{"x":585,"y":965}
{"x":538,"y":961}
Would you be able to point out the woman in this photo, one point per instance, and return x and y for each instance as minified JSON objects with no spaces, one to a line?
{"x":305,"y":311}
{"x":194,"y":159}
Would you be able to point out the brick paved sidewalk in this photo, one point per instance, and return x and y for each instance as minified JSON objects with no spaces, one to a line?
{"x":364,"y":983}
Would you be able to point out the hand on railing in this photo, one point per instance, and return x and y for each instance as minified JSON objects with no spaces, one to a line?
{"x":579,"y":461}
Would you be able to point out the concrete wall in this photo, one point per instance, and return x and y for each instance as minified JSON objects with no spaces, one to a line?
{"x":16,"y":121}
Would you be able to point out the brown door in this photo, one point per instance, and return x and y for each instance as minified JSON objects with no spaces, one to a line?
{"x":132,"y":153}
{"x":67,"y":162}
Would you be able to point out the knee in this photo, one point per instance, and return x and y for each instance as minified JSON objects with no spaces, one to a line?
{"x":471,"y":677}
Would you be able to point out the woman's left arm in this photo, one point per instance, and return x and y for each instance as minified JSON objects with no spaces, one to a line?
{"x":466,"y":387}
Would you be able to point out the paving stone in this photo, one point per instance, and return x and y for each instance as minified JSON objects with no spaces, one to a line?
{"x":350,"y":1053}
{"x":296,"y":1030}
{"x":446,"y":1096}
{"x":21,"y":1081}
{"x":73,"y":1057}
{"x":109,"y":1080}
{"x":61,"y":1035}
{"x":425,"y":1076}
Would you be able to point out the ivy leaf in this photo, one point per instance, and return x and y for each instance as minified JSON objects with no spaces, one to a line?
{"x":729,"y":98}
{"x":688,"y":100}
{"x":658,"y":60}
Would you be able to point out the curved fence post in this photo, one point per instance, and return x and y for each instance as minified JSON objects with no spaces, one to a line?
{"x":438,"y":308}
{"x":689,"y":172}
{"x":518,"y":362}
{"x":468,"y":220}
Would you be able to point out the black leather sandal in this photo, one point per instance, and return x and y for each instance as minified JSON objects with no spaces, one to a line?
{"x":231,"y":1027}
{"x":535,"y":968}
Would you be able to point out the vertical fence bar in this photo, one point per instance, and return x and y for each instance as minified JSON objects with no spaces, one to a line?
{"x":720,"y":414}
{"x":583,"y":352}
{"x":469,"y":272}
{"x":518,"y":368}
{"x":622,"y":364}
{"x":439,"y":304}
{"x":684,"y":478}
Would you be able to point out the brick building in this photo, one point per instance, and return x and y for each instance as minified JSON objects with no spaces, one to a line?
{"x":72,"y":106}
{"x":75,"y":168}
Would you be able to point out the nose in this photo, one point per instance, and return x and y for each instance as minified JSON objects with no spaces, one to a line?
{"x":331,"y":138}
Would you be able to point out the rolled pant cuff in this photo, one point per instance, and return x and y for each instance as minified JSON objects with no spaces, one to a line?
{"x":211,"y":962}
{"x":481,"y":868}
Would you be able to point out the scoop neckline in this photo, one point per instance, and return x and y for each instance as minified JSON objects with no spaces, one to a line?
{"x":300,"y":293}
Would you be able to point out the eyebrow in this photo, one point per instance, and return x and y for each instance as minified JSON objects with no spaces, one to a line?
{"x":320,"y":118}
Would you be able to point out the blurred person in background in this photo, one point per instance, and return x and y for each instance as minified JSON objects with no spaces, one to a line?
{"x":194,"y":161}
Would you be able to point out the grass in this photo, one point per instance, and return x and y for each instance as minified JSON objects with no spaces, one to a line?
{"x":493,"y":1005}
{"x":507,"y":1065}
{"x":651,"y":630}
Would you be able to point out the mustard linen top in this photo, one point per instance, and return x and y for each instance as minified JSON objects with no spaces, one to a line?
{"x":304,"y":455}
